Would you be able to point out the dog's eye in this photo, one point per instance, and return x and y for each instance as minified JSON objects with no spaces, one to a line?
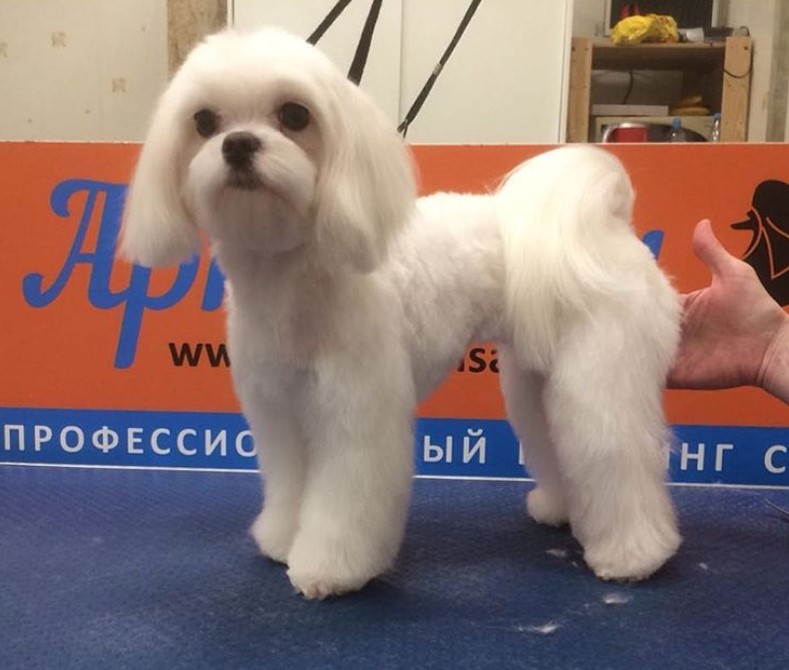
{"x":206,"y":122}
{"x":294,"y":116}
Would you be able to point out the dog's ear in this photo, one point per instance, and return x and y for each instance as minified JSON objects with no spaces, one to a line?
{"x":365,"y":191}
{"x":156,"y":228}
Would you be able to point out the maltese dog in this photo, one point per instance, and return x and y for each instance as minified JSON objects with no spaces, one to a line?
{"x":349,"y":300}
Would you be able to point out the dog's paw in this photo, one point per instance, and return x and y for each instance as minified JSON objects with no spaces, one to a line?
{"x":547,"y":507}
{"x":324,"y":576}
{"x":322,"y":567}
{"x":634,"y":556}
{"x":316,"y":584}
{"x":273,"y":535}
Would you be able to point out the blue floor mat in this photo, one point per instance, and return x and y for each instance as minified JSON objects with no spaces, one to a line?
{"x":147,"y":569}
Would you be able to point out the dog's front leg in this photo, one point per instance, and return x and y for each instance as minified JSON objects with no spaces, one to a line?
{"x":280,"y":446}
{"x":359,"y":470}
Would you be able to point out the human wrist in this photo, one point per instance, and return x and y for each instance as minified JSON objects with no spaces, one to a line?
{"x":774,"y":372}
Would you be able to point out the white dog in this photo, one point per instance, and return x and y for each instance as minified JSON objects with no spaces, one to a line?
{"x":349,"y":301}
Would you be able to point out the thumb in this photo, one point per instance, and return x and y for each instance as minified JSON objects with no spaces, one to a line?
{"x":710,"y":251}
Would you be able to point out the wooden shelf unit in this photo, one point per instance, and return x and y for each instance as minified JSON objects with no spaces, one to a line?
{"x":728,"y":64}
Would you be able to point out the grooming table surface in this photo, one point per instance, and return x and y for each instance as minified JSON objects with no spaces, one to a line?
{"x":153,"y":569}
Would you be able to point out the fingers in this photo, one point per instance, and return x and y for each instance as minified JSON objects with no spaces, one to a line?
{"x":710,"y":251}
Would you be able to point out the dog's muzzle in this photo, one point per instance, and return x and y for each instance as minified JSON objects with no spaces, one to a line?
{"x":238,"y":150}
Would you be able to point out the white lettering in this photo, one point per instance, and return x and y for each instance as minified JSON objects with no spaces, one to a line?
{"x":133,"y":438}
{"x":64,"y":443}
{"x":20,"y":437}
{"x":244,"y":435}
{"x":158,"y":448}
{"x":41,"y":435}
{"x":470,"y":451}
{"x":720,"y":450}
{"x":769,"y":463}
{"x":432,"y":453}
{"x":180,"y":442}
{"x":211,"y":443}
{"x":105,"y":439}
{"x":686,"y":456}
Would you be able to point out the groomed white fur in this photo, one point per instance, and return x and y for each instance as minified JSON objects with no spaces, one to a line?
{"x":347,"y":305}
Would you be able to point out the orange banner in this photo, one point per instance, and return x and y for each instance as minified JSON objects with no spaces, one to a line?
{"x":81,"y":330}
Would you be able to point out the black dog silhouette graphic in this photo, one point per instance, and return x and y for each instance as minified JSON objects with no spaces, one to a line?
{"x":768,"y":252}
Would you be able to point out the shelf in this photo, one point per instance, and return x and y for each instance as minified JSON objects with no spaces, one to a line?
{"x":727,"y":65}
{"x":606,"y":55}
{"x":698,"y":124}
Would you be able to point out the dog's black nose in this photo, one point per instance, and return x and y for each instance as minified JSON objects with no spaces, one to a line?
{"x":239,"y":147}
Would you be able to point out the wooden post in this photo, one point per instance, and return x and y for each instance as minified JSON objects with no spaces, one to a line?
{"x":580,"y":90}
{"x":188,"y":21}
{"x":736,"y":89}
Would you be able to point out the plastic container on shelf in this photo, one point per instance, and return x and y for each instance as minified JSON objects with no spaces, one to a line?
{"x":715,"y":135}
{"x":677,"y":133}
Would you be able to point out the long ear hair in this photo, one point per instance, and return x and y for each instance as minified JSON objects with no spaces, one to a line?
{"x":156,"y":228}
{"x":366,"y":190}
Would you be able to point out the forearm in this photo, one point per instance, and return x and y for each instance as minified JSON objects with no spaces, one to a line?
{"x":774,"y":375}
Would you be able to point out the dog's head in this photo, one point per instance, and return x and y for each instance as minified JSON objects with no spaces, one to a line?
{"x":260,"y":142}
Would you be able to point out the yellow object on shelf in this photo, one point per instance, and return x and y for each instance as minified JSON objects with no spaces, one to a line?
{"x":649,"y":28}
{"x":691,"y":106}
{"x":690,"y":101}
{"x":690,"y":111}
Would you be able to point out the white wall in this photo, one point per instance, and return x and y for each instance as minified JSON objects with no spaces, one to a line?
{"x":786,"y":127}
{"x":87,"y":70}
{"x":92,"y":69}
{"x":589,"y":18}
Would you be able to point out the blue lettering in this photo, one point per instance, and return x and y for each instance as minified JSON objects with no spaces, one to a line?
{"x":135,"y":297}
{"x":654,"y":240}
{"x":214,"y":289}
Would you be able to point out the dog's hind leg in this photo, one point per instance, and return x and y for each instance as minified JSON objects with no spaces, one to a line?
{"x":604,"y":407}
{"x":523,"y":397}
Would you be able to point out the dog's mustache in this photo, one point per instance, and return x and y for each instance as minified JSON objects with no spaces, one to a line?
{"x":244,"y":179}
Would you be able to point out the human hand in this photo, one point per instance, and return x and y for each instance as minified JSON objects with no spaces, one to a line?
{"x":733,"y":332}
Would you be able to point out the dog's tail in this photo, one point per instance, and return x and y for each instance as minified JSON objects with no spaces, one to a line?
{"x":565,"y":225}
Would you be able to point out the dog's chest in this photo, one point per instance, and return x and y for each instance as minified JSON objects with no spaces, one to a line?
{"x":278,"y":329}
{"x":264,"y":342}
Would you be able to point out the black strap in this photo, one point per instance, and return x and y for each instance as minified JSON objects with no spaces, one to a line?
{"x":365,"y":41}
{"x":420,"y":99}
{"x":327,"y":22}
{"x":363,"y":48}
